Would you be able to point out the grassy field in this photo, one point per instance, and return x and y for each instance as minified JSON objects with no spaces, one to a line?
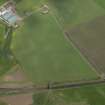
{"x":101,"y":3}
{"x":26,"y":6}
{"x":2,"y":1}
{"x":90,"y":38}
{"x":94,"y":95}
{"x":41,"y":40}
{"x":44,"y":53}
{"x":73,"y":12}
{"x":2,"y":103}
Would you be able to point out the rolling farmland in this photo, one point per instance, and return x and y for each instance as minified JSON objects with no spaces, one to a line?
{"x":57,"y":43}
{"x":46,"y":55}
{"x":73,"y":12}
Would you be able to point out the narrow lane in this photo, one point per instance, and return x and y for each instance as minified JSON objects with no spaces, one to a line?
{"x":52,"y":86}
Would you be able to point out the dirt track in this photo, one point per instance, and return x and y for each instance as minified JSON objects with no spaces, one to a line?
{"x":53,"y":86}
{"x":24,"y":95}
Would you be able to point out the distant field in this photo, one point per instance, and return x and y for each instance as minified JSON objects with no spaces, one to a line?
{"x":44,"y":53}
{"x":93,"y":95}
{"x":24,"y":6}
{"x":2,"y":103}
{"x":2,"y":1}
{"x":73,"y":12}
{"x":90,"y":38}
{"x":101,"y":3}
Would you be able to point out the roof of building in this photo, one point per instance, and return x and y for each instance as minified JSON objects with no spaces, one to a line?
{"x":8,"y":14}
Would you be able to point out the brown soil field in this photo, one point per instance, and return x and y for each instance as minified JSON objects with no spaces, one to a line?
{"x":15,"y":78}
{"x":23,"y":99}
{"x":16,"y":74}
{"x":89,"y":38}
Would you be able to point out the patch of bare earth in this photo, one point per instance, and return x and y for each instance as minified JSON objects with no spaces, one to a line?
{"x":16,"y":74}
{"x":15,"y":78}
{"x":23,"y":99}
{"x":15,"y":85}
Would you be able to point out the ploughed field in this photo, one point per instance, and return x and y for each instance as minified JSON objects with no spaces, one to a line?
{"x":90,"y":39}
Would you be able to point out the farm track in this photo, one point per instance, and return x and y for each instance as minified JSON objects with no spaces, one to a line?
{"x":52,"y":86}
{"x":75,"y":46}
{"x":85,"y":56}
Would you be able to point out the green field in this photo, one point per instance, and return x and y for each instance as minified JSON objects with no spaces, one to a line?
{"x":42,"y":50}
{"x":2,"y":103}
{"x":26,"y":6}
{"x":101,"y":3}
{"x":40,"y":44}
{"x":73,"y":12}
{"x":46,"y":55}
{"x":93,"y":95}
{"x":2,"y":1}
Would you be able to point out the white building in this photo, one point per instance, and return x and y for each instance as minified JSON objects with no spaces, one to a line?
{"x":8,"y":14}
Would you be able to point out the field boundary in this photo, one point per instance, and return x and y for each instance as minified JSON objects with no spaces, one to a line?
{"x":53,"y":86}
{"x":73,"y":45}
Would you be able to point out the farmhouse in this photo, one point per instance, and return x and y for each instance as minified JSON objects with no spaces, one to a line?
{"x":8,"y":14}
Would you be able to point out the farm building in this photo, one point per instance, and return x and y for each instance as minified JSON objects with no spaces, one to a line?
{"x":8,"y":14}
